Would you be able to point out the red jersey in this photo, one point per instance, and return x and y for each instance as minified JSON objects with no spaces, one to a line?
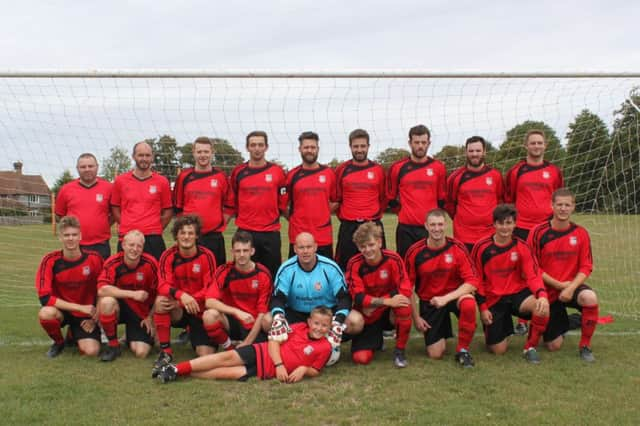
{"x":386,"y":279}
{"x":192,"y":275}
{"x":530,"y":189}
{"x":73,"y":281}
{"x":143,"y":277}
{"x":91,"y":205}
{"x":258,"y":196}
{"x":298,"y":350}
{"x":206,"y":194}
{"x":360,"y":191}
{"x":505,"y":270}
{"x":471,"y":198}
{"x":247,"y":291}
{"x":418,"y":187}
{"x":436,"y":272}
{"x":141,"y":202}
{"x":309,"y":193}
{"x":561,"y":254}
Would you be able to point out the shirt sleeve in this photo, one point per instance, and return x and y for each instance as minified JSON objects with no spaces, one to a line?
{"x":44,"y":281}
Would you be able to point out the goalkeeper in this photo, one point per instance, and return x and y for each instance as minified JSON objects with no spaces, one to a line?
{"x":303,"y":282}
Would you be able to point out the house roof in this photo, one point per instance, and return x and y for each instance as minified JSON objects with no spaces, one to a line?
{"x":15,"y":183}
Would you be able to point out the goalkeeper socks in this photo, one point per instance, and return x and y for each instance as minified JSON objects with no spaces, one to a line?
{"x":589,"y":320}
{"x":466,"y":323}
{"x":52,"y":327}
{"x":110,"y":326}
{"x":217,"y":334}
{"x":536,"y":330}
{"x":163,"y":330}
{"x":184,"y":368}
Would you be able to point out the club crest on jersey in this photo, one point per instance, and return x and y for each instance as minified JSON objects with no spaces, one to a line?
{"x":196,"y":268}
{"x":573,"y":240}
{"x":153,"y":189}
{"x":322,"y":178}
{"x":489,"y":180}
{"x":318,"y":286}
{"x":514,"y":256}
{"x":448,"y":258}
{"x":254,"y":284}
{"x":283,"y":190}
{"x":546,"y":175}
{"x":384,"y":274}
{"x":99,"y":198}
{"x":140,"y":276}
{"x":308,"y":350}
{"x":86,"y":270}
{"x":214,"y":183}
{"x":268,"y":177}
{"x":371,"y":175}
{"x":429,"y":172}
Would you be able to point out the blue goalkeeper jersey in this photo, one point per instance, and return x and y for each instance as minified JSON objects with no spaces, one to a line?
{"x":307,"y":289}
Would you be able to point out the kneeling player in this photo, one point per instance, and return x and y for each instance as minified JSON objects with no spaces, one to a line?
{"x":378,"y":285}
{"x":239,"y":297}
{"x":563,"y":251}
{"x":186,"y":271}
{"x":127,"y":288}
{"x":66,"y":283}
{"x":444,"y":281}
{"x":510,"y":285}
{"x":303,"y":354}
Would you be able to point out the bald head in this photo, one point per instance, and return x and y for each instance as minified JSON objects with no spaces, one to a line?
{"x":305,"y":238}
{"x":305,"y":249}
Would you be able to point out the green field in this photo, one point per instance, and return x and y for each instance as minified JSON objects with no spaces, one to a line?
{"x":562,"y":390}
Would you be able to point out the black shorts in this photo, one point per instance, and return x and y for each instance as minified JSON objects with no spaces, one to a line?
{"x":407,"y":235}
{"x":238,"y":332}
{"x":248,"y":356}
{"x":326,"y":251}
{"x":76,"y":329}
{"x":558,"y":318}
{"x":521,"y":233}
{"x":268,"y":246}
{"x":502,"y":326}
{"x":346,"y":248}
{"x":439,"y":319}
{"x":371,"y":337}
{"x":214,"y":241}
{"x":197,"y":334}
{"x":153,"y":245}
{"x":131,"y":321}
{"x":103,"y":248}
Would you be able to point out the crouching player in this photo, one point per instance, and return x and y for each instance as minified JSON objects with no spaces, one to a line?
{"x":66,"y":283}
{"x":186,"y":271}
{"x":127,"y":288}
{"x":563,"y":251}
{"x":444,"y":281}
{"x":381,"y":294}
{"x":302,"y":354}
{"x":510,"y":284}
{"x":239,"y":297}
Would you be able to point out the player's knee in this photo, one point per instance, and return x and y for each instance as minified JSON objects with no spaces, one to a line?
{"x":498,"y":349}
{"x":354,"y":322}
{"x":211,"y":316}
{"x":159,"y":305}
{"x":203,"y":350}
{"x":89,"y":347}
{"x":267,"y":319}
{"x":435,"y":353}
{"x":362,"y":357}
{"x":588,"y":298}
{"x":467,"y":304}
{"x":555,"y":344}
{"x":141,"y":350}
{"x":107,"y":305}
{"x":47,"y":313}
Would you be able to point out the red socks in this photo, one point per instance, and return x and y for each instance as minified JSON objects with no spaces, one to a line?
{"x":110,"y":326}
{"x":589,"y":321}
{"x":536,"y":330}
{"x":403,"y":326}
{"x":163,"y":329}
{"x":52,"y":327}
{"x":466,"y":323}
{"x":184,"y":368}
{"x":363,"y":357}
{"x":217,"y":333}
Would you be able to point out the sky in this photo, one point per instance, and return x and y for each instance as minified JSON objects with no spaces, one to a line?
{"x":433,"y":36}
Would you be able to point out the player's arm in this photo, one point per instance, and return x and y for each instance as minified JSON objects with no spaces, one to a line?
{"x":118,"y":293}
{"x":464,"y":288}
{"x":239,"y":314}
{"x":302,"y":372}
{"x":391,"y":190}
{"x":165,"y":216}
{"x":253,"y":333}
{"x":273,"y":348}
{"x":115,"y":213}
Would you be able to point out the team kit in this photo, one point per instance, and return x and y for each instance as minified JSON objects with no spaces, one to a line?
{"x":514,"y":253}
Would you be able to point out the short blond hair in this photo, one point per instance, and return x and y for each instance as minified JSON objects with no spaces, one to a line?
{"x":365,"y":232}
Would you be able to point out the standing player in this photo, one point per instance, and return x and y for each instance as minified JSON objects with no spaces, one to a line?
{"x":381,"y":293}
{"x":258,"y":194}
{"x":444,"y":281}
{"x":127,"y":288}
{"x":88,"y":198}
{"x":473,"y":191}
{"x":66,"y":284}
{"x":141,"y":200}
{"x":417,"y":184}
{"x":563,"y":250}
{"x":204,"y":190}
{"x":360,"y":185}
{"x":510,"y":285}
{"x":311,"y":191}
{"x":238,"y":299}
{"x":186,"y":271}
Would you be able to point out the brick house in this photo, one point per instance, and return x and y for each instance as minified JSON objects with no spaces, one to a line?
{"x":28,"y":193}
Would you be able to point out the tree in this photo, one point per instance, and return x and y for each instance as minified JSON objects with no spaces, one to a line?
{"x":279,"y":163}
{"x":186,"y":156}
{"x":334,"y":163}
{"x":165,"y":156}
{"x":391,"y":155}
{"x":588,"y":144}
{"x":452,"y":156}
{"x":512,"y":149}
{"x":64,"y":178}
{"x":117,"y":163}
{"x":226,"y":156}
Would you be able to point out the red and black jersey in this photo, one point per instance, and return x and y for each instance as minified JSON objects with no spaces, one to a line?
{"x":471,"y":198}
{"x":141,"y":202}
{"x":258,"y":196}
{"x":91,"y":205}
{"x":360,"y":191}
{"x":561,"y":254}
{"x":530,"y":189}
{"x":505,"y":270}
{"x":74,"y":281}
{"x":298,"y":350}
{"x":418,"y":187}
{"x":309,"y":192}
{"x":436,"y":272}
{"x":247,"y":291}
{"x":206,"y":194}
{"x":192,"y":275}
{"x":386,"y":279}
{"x":143,"y":277}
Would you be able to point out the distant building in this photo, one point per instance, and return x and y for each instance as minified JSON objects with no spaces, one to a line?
{"x":27,"y":194}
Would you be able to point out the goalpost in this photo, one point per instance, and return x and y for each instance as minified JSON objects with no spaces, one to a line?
{"x":47,"y":118}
